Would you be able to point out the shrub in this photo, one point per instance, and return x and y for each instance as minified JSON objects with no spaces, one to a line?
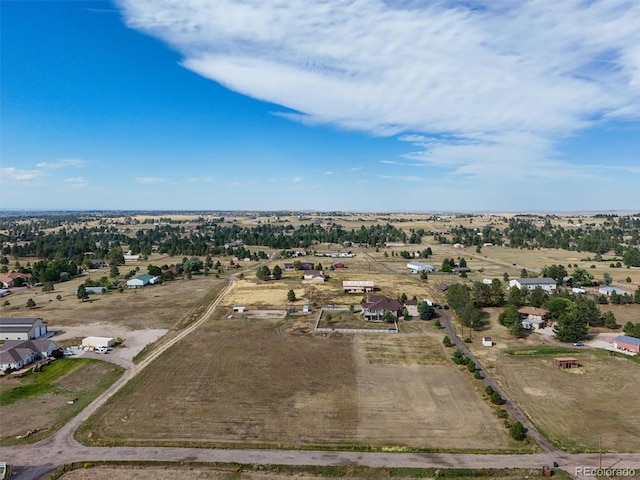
{"x":438,"y":324}
{"x":502,"y":413}
{"x":471,"y":367}
{"x":467,"y":340}
{"x":446,"y":341}
{"x":517,"y":431}
{"x":478,"y":375}
{"x":488,"y":390}
{"x":496,"y":398}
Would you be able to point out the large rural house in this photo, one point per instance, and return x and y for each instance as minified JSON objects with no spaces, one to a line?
{"x":357,"y":286}
{"x":375,"y":307}
{"x":22,"y":328}
{"x":14,"y":279}
{"x":533,"y":317}
{"x":16,"y":354}
{"x":546,"y":283}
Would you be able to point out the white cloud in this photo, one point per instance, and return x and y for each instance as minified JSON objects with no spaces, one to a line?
{"x":12,"y":174}
{"x":200,"y":179}
{"x":328,"y":173}
{"x":296,"y":179}
{"x":483,"y":87}
{"x":151,"y":180}
{"x":63,"y":163}
{"x":76,"y":182}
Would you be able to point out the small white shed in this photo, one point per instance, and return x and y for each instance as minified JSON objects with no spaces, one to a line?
{"x":487,"y":342}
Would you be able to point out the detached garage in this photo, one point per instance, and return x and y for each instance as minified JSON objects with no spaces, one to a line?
{"x":93,"y":342}
{"x":630,"y":344}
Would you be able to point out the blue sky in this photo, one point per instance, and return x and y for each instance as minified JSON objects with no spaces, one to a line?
{"x":333,"y":105}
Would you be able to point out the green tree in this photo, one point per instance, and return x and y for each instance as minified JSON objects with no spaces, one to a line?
{"x":631,"y":257}
{"x":509,"y":316}
{"x":581,"y":277}
{"x":403,"y":298}
{"x":388,"y":317}
{"x":607,"y":278}
{"x":263,"y":273}
{"x":5,"y":304}
{"x":152,"y":269}
{"x":517,"y":431}
{"x":609,"y":320}
{"x":446,"y":341}
{"x":114,"y":272}
{"x":47,"y":287}
{"x":516,"y":296}
{"x":276,"y":273}
{"x":538,"y":297}
{"x":82,"y":293}
{"x":571,"y":326}
{"x":291,"y":295}
{"x":426,"y":311}
{"x":193,"y":264}
{"x":517,"y":330}
{"x":31,"y":303}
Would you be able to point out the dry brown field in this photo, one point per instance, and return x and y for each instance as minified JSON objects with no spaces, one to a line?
{"x":577,"y":409}
{"x":47,"y":411}
{"x":151,"y":307}
{"x":260,"y":382}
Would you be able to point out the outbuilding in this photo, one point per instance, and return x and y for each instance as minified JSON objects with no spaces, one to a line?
{"x":22,"y":328}
{"x":487,"y":342}
{"x":419,"y":267}
{"x":357,"y":286}
{"x":566,"y":362}
{"x":608,"y":291}
{"x":93,"y":342}
{"x":630,"y":344}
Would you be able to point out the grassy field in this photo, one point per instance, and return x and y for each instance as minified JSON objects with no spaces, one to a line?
{"x":154,"y":306}
{"x":37,"y":402}
{"x":578,"y":408}
{"x":261,"y":383}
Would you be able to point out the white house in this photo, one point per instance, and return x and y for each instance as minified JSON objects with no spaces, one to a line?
{"x":17,"y":353}
{"x":547,"y":284}
{"x":418,"y":267}
{"x":313,"y":276}
{"x":22,"y":328}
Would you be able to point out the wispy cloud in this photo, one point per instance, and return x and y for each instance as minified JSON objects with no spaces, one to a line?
{"x":12,"y":174}
{"x":63,"y":163}
{"x":404,"y":178}
{"x":328,"y":173}
{"x":76,"y":182}
{"x":296,"y":179}
{"x":151,"y":180}
{"x":355,"y":169}
{"x":482,"y":87}
{"x":200,"y":179}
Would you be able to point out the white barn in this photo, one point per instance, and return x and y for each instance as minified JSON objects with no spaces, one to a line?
{"x":22,"y":328}
{"x":417,"y":267}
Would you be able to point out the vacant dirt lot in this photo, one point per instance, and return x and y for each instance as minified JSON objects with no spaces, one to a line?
{"x":261,"y":382}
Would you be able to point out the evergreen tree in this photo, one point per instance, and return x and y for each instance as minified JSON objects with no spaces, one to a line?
{"x":572,"y":326}
{"x":276,"y":273}
{"x":291,"y":295}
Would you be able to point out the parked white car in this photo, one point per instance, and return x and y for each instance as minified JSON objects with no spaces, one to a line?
{"x":101,"y":350}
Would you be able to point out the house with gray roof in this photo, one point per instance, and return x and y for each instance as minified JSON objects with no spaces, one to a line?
{"x":546,"y":283}
{"x":16,"y":354}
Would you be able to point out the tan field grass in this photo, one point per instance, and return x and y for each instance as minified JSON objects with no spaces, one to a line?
{"x":262,"y":382}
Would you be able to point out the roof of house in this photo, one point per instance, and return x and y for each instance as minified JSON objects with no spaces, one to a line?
{"x":382,"y":303}
{"x":357,"y":283}
{"x":533,"y":311}
{"x":14,"y":275}
{"x":13,"y":355}
{"x":536,"y":281}
{"x":627,"y":339}
{"x":613,"y":289}
{"x":41,"y":345}
{"x":565,"y":359}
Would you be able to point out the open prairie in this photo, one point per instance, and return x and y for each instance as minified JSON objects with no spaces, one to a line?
{"x":260,"y":382}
